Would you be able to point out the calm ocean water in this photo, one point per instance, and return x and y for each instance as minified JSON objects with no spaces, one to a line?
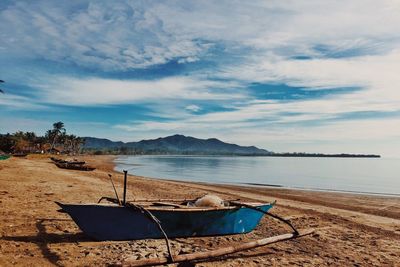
{"x":364,"y":175}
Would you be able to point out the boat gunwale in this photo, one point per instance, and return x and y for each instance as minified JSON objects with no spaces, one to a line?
{"x":175,"y":209}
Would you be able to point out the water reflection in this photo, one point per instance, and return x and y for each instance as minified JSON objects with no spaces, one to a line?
{"x":356,"y":174}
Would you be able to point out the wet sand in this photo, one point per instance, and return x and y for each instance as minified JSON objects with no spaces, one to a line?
{"x":351,"y":230}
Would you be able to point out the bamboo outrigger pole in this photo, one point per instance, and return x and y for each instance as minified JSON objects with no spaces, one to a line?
{"x":217,"y":252}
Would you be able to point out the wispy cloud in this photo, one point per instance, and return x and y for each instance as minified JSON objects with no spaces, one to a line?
{"x":113,"y":36}
{"x":193,"y":108}
{"x":96,"y":91}
{"x":17,"y":102}
{"x":255,"y":71}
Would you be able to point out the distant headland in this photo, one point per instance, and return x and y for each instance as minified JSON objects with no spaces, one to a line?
{"x":187,"y":145}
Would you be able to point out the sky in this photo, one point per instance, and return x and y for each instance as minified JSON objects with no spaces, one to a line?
{"x":304,"y":76}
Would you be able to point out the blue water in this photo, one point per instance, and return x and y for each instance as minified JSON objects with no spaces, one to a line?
{"x":363,"y":175}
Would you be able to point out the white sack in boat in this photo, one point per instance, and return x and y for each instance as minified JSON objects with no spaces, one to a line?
{"x":209,"y":201}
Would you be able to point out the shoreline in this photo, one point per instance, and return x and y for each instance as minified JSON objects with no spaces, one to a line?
{"x":275,"y":186}
{"x":317,"y":197}
{"x":350,"y":229}
{"x":261,"y":185}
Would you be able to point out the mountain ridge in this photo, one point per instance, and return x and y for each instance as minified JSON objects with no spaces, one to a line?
{"x":175,"y":144}
{"x":187,"y":145}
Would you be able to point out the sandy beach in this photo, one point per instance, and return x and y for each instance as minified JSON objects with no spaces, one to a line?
{"x":351,"y":230}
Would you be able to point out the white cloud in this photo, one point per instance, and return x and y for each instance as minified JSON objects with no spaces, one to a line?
{"x":135,"y":34}
{"x":96,"y":91}
{"x":193,"y":108}
{"x":112,"y":36}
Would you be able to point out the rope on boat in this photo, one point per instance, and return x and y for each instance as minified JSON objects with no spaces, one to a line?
{"x":170,"y":258}
{"x":238,"y":204}
{"x":156,"y":221}
{"x":149,"y":215}
{"x":115,"y":190}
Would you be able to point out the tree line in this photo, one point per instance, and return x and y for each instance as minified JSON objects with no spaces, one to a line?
{"x":55,"y":140}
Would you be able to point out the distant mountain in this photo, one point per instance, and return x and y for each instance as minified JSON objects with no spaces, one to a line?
{"x":93,"y":142}
{"x":175,"y":144}
{"x":187,"y":145}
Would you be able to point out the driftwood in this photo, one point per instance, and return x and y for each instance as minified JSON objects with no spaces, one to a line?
{"x":217,"y":252}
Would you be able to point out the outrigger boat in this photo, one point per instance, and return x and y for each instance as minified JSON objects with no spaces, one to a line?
{"x":78,"y":167}
{"x":56,"y":160}
{"x":146,"y":219}
{"x":71,"y":164}
{"x":20,"y":155}
{"x":129,"y":221}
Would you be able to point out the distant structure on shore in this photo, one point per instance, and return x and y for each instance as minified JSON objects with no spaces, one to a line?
{"x":187,"y":145}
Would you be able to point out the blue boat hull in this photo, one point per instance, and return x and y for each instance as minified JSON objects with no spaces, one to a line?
{"x":105,"y":222}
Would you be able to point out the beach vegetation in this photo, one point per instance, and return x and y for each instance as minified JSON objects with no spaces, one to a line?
{"x":55,"y":141}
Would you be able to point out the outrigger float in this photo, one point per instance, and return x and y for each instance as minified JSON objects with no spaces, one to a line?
{"x":148,"y":219}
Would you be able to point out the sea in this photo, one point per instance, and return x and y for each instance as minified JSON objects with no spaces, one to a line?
{"x":356,"y":175}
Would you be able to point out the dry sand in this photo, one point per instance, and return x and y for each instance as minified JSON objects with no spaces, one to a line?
{"x":352,"y":230}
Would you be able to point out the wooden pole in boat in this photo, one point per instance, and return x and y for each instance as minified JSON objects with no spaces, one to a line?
{"x":217,"y":252}
{"x":125,"y":178}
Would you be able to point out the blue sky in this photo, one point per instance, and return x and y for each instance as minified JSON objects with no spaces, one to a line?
{"x":312,"y":76}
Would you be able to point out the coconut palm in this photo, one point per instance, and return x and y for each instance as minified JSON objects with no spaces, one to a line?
{"x":6,"y":143}
{"x":49,"y":135}
{"x":79,"y":141}
{"x":58,"y":129}
{"x":20,"y":142}
{"x":30,"y":137}
{"x":68,"y":141}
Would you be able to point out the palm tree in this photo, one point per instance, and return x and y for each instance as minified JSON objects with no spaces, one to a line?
{"x":7,"y":143}
{"x":68,"y":141}
{"x":31,"y":137}
{"x":49,"y":136}
{"x":78,"y":142}
{"x":58,"y":129}
{"x":20,"y":142}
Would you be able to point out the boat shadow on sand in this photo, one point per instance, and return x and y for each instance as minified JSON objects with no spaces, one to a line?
{"x":43,"y":240}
